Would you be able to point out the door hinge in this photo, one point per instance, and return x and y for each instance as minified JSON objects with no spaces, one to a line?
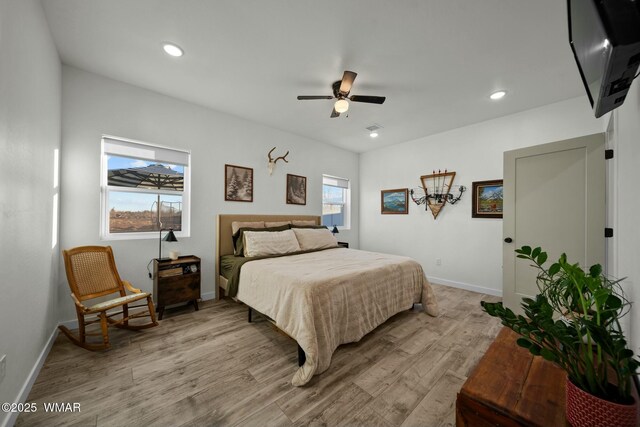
{"x":608,"y":154}
{"x":608,"y":232}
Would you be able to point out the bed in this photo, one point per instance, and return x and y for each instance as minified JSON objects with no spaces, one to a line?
{"x":323,"y":298}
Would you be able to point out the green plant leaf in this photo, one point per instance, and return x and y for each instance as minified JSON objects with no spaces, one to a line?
{"x":595,"y":270}
{"x":542,"y":258}
{"x":613,"y":302}
{"x":525,"y":250}
{"x":548,"y":355}
{"x":535,"y":349}
{"x":524,"y":342}
{"x":536,"y":252}
{"x":554,"y":269}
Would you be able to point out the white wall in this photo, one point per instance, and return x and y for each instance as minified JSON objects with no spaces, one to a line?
{"x":470,"y":249}
{"x":94,"y":105}
{"x":627,"y":206}
{"x":29,"y":133}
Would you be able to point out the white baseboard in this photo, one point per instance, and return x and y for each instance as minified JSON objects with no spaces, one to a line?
{"x":71,"y":324}
{"x":207,"y":296}
{"x":11,"y":417}
{"x":466,"y":286}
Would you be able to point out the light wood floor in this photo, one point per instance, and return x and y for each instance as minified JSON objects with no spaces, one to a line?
{"x":213,"y":368}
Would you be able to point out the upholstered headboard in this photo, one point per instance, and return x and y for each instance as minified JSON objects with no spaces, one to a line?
{"x":224,"y":241}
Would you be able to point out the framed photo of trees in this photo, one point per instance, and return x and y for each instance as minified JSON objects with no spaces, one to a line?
{"x":238,"y":183}
{"x":296,"y":190}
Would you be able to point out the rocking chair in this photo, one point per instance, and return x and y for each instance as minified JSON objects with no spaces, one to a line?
{"x":91,"y":273}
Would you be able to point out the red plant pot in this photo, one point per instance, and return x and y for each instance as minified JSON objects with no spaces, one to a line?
{"x":587,"y":410}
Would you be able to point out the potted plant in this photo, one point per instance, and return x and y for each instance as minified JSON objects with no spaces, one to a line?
{"x":575,"y":322}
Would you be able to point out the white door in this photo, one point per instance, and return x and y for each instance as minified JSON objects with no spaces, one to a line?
{"x":554,"y":197}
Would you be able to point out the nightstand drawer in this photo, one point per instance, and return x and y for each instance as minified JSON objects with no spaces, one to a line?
{"x":176,"y":289}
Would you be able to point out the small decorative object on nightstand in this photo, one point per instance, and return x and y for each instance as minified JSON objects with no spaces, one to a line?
{"x":343,"y":244}
{"x":176,"y":281}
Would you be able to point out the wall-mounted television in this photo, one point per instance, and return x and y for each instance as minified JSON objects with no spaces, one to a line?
{"x":605,"y":40}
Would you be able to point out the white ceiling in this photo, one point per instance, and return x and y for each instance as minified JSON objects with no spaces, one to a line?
{"x":436,"y":61}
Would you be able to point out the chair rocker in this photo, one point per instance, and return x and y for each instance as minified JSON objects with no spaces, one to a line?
{"x":92,"y":273}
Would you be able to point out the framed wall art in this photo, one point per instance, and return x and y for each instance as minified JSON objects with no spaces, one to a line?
{"x":394,"y":201}
{"x":238,"y":183}
{"x":487,"y":199}
{"x":296,"y":190}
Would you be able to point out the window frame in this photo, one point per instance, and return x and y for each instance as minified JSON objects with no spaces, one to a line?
{"x":347,"y":202}
{"x":106,"y":189}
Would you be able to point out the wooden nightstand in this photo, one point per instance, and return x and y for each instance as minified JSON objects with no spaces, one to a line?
{"x":176,"y":281}
{"x":343,"y":244}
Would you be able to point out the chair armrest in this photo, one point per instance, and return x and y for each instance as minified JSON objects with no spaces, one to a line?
{"x":78,"y":303}
{"x":130,"y":288}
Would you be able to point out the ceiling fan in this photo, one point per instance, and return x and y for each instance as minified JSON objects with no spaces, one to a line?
{"x":341,"y":90}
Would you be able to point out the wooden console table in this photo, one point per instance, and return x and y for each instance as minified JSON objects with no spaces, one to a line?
{"x":510,"y":387}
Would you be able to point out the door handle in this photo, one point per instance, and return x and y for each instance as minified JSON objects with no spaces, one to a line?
{"x":508,"y":240}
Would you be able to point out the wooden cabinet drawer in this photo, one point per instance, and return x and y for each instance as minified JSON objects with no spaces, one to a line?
{"x":177,"y":289}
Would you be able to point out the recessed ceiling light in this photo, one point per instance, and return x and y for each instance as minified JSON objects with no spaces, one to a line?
{"x":172,"y":49}
{"x":373,"y":130}
{"x":498,"y":95}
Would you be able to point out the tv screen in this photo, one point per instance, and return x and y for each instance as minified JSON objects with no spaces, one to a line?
{"x":605,"y":39}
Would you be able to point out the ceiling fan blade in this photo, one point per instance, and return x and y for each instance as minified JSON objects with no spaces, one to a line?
{"x":334,"y":114}
{"x":369,"y":99}
{"x":347,"y":81}
{"x":304,"y":97}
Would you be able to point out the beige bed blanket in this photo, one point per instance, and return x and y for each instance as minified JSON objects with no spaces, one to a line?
{"x":332,"y":297}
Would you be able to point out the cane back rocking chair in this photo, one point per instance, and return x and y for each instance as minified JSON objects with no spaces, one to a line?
{"x":91,"y":273}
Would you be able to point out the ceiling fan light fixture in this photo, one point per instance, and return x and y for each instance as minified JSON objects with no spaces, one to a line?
{"x":172,"y":50}
{"x":498,"y":95}
{"x":341,"y":106}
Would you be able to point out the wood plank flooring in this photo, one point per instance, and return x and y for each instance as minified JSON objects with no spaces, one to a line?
{"x":211,"y":368}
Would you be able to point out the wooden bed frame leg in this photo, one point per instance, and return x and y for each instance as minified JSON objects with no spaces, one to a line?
{"x":301,"y":356}
{"x":249,"y":314}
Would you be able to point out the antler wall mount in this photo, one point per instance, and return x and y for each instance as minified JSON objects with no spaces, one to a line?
{"x":272,"y":162}
{"x":436,"y":189}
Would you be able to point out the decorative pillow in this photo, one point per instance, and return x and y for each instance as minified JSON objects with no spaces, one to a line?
{"x":237,"y":225}
{"x":319,"y":238}
{"x":276,"y":223}
{"x":276,"y":243}
{"x":238,"y":240}
{"x":304,"y":222}
{"x":310,"y":226}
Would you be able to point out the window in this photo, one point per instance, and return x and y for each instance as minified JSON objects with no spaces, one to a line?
{"x":145,"y":188}
{"x":336,"y":202}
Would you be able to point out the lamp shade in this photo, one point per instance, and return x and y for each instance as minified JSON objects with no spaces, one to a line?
{"x":170,"y":237}
{"x":335,"y":229}
{"x":341,"y":105}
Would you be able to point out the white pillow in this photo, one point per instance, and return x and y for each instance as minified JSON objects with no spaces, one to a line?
{"x":315,"y":238}
{"x":258,"y":243}
{"x":304,"y":222}
{"x":237,"y":225}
